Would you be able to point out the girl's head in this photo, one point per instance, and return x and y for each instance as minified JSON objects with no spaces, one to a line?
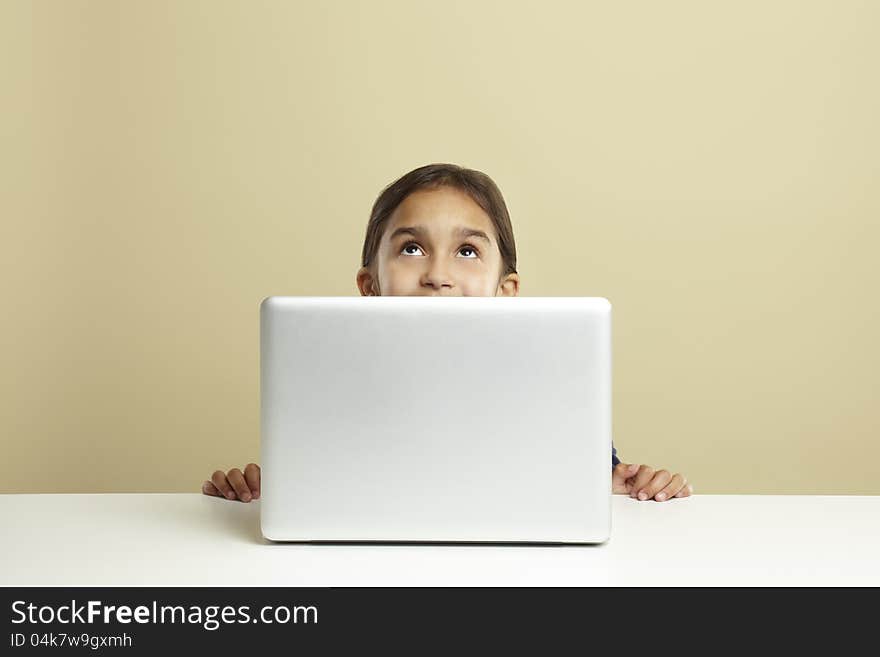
{"x":440,"y":230}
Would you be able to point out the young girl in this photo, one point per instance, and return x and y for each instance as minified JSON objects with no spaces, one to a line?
{"x":442,"y":230}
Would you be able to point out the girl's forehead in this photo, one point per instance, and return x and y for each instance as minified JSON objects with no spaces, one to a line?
{"x":440,"y":211}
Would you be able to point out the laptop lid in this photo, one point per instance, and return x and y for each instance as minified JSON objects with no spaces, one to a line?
{"x":448,"y":419}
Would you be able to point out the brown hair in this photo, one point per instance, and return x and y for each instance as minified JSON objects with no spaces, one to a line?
{"x":476,"y":184}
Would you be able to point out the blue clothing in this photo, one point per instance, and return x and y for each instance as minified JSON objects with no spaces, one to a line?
{"x":614,"y":459}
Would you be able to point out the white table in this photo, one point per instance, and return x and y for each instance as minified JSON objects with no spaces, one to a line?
{"x":196,"y":540}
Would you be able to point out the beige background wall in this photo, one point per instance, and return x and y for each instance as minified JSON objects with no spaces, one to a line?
{"x":710,"y":167}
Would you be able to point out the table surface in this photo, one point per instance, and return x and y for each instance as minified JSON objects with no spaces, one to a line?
{"x":158,"y":539}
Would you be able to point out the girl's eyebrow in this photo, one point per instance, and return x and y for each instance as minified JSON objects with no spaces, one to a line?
{"x":419,"y":231}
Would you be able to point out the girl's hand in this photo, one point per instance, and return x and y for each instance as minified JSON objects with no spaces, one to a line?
{"x":643,"y":483}
{"x":235,"y":485}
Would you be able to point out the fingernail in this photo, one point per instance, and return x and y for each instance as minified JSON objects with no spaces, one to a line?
{"x":661,"y":497}
{"x":230,"y":495}
{"x":246,"y":497}
{"x":256,"y":494}
{"x":642,"y":497}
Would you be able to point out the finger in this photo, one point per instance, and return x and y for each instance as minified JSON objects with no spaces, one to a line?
{"x":660,"y":479}
{"x":645,"y":474}
{"x":624,"y":470}
{"x":252,"y":477}
{"x":219,"y":480}
{"x":210,"y":489}
{"x":619,"y":476}
{"x":236,"y":479}
{"x":675,"y":484}
{"x":686,"y":491}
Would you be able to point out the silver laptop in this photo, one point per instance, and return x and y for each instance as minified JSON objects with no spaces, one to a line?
{"x":435,"y":419}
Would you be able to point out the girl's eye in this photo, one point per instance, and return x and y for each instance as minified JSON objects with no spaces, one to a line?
{"x":413,"y":245}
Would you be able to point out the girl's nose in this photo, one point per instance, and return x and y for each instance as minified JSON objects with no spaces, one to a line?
{"x":436,"y":277}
